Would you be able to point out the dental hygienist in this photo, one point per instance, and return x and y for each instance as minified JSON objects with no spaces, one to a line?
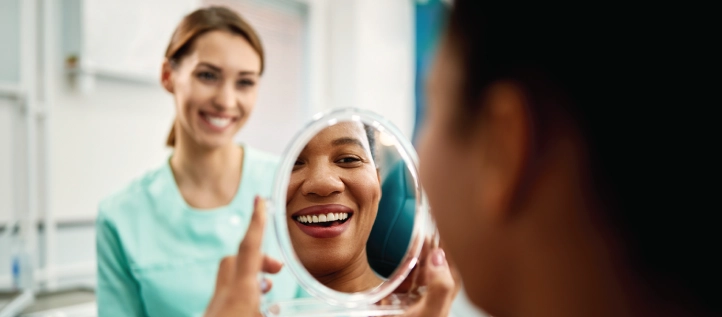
{"x":160,"y":239}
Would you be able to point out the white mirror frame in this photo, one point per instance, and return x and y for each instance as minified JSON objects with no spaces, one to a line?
{"x":277,"y":204}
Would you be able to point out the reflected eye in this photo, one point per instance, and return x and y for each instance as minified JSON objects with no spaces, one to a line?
{"x":207,"y":76}
{"x":298,"y":164}
{"x":350,"y":160}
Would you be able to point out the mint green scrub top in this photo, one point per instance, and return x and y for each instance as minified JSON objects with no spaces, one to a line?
{"x":158,"y":256}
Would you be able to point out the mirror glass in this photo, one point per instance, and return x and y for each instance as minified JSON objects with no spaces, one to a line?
{"x":350,"y":206}
{"x":350,"y":216}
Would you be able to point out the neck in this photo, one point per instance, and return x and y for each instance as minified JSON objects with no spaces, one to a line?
{"x":198,"y":169}
{"x":205,"y":167}
{"x":356,"y":277}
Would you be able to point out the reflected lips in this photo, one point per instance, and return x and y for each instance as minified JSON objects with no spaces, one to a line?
{"x":315,"y":230}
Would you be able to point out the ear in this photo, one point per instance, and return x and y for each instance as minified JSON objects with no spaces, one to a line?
{"x":502,"y":138}
{"x":166,"y":76}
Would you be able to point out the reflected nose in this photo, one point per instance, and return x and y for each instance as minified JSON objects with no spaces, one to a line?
{"x":321,"y":181}
{"x":225,"y":97}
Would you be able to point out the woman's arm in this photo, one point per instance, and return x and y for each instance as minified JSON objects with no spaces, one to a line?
{"x":117,"y":292}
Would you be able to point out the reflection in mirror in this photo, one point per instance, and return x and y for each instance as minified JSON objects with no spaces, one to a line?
{"x":350,"y":206}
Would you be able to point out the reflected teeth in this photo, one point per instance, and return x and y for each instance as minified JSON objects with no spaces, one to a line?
{"x":218,"y":122}
{"x":322,"y":218}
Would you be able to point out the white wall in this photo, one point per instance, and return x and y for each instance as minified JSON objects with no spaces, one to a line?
{"x":372,"y":58}
{"x":138,"y":46}
{"x":103,"y":140}
{"x":385,"y":59}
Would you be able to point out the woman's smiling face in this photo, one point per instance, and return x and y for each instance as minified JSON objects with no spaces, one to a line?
{"x":214,"y":87}
{"x":332,"y":199}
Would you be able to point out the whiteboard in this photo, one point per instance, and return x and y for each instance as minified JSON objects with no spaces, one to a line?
{"x":129,"y":37}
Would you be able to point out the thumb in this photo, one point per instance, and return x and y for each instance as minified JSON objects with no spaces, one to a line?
{"x":440,"y":289}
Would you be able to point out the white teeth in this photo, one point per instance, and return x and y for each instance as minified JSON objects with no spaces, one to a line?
{"x":323,"y":218}
{"x":218,"y":121}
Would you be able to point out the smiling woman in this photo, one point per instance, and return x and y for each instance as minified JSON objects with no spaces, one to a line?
{"x":161,"y":238}
{"x":332,"y":202}
{"x":195,"y":52}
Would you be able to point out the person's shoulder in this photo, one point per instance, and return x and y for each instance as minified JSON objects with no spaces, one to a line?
{"x":132,"y":198}
{"x":260,"y":169}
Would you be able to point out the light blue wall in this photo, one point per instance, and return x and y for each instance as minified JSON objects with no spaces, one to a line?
{"x":71,"y":23}
{"x":9,"y":41}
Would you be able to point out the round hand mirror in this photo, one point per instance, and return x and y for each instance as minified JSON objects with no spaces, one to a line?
{"x":349,"y":214}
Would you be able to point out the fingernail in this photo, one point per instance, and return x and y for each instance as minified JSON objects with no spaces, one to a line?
{"x":255,"y":201}
{"x":264,"y":285}
{"x":438,"y":258}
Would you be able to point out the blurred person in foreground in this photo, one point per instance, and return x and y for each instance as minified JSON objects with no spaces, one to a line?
{"x":564,"y":154}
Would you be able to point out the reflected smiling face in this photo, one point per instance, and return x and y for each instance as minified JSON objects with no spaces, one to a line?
{"x":332,"y":200}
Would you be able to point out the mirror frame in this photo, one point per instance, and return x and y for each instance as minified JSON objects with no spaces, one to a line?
{"x":277,"y":208}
